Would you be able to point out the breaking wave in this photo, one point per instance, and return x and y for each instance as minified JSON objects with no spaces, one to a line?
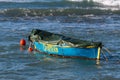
{"x":21,"y":8}
{"x":104,"y":2}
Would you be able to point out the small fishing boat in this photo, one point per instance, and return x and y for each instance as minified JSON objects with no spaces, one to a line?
{"x":57,"y":44}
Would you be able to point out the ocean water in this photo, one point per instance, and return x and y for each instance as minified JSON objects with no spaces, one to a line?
{"x":87,"y":20}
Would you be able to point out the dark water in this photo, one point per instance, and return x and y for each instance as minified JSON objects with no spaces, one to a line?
{"x":82,"y":20}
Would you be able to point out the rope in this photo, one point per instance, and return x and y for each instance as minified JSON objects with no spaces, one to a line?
{"x":107,"y":50}
{"x":104,"y":55}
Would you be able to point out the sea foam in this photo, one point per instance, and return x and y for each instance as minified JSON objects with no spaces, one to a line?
{"x":104,"y":2}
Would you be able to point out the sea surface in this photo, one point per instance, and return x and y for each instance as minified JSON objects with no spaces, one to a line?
{"x":82,"y":19}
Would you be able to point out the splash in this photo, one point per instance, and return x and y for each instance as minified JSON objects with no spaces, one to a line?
{"x":104,"y":2}
{"x":109,"y":2}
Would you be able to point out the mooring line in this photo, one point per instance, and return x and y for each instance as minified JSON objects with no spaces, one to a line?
{"x":107,"y":50}
{"x":104,"y":55}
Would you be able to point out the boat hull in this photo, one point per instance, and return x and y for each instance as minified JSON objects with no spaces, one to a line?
{"x":68,"y":51}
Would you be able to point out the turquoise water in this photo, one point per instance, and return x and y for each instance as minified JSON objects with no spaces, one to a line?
{"x":87,"y":22}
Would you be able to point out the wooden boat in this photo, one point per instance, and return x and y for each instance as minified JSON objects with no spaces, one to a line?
{"x":57,"y":44}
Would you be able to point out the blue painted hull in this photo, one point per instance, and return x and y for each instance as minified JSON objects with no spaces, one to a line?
{"x":92,"y":53}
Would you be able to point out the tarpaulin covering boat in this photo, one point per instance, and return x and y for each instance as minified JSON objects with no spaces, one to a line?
{"x":61,"y":45}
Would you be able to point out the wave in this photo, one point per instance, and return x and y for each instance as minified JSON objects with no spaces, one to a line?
{"x":104,"y":2}
{"x":60,"y":2}
{"x":21,"y":12}
{"x":53,"y":4}
{"x":22,"y":1}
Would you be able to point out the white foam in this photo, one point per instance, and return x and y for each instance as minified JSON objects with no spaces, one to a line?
{"x":104,"y":2}
{"x":109,"y":2}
